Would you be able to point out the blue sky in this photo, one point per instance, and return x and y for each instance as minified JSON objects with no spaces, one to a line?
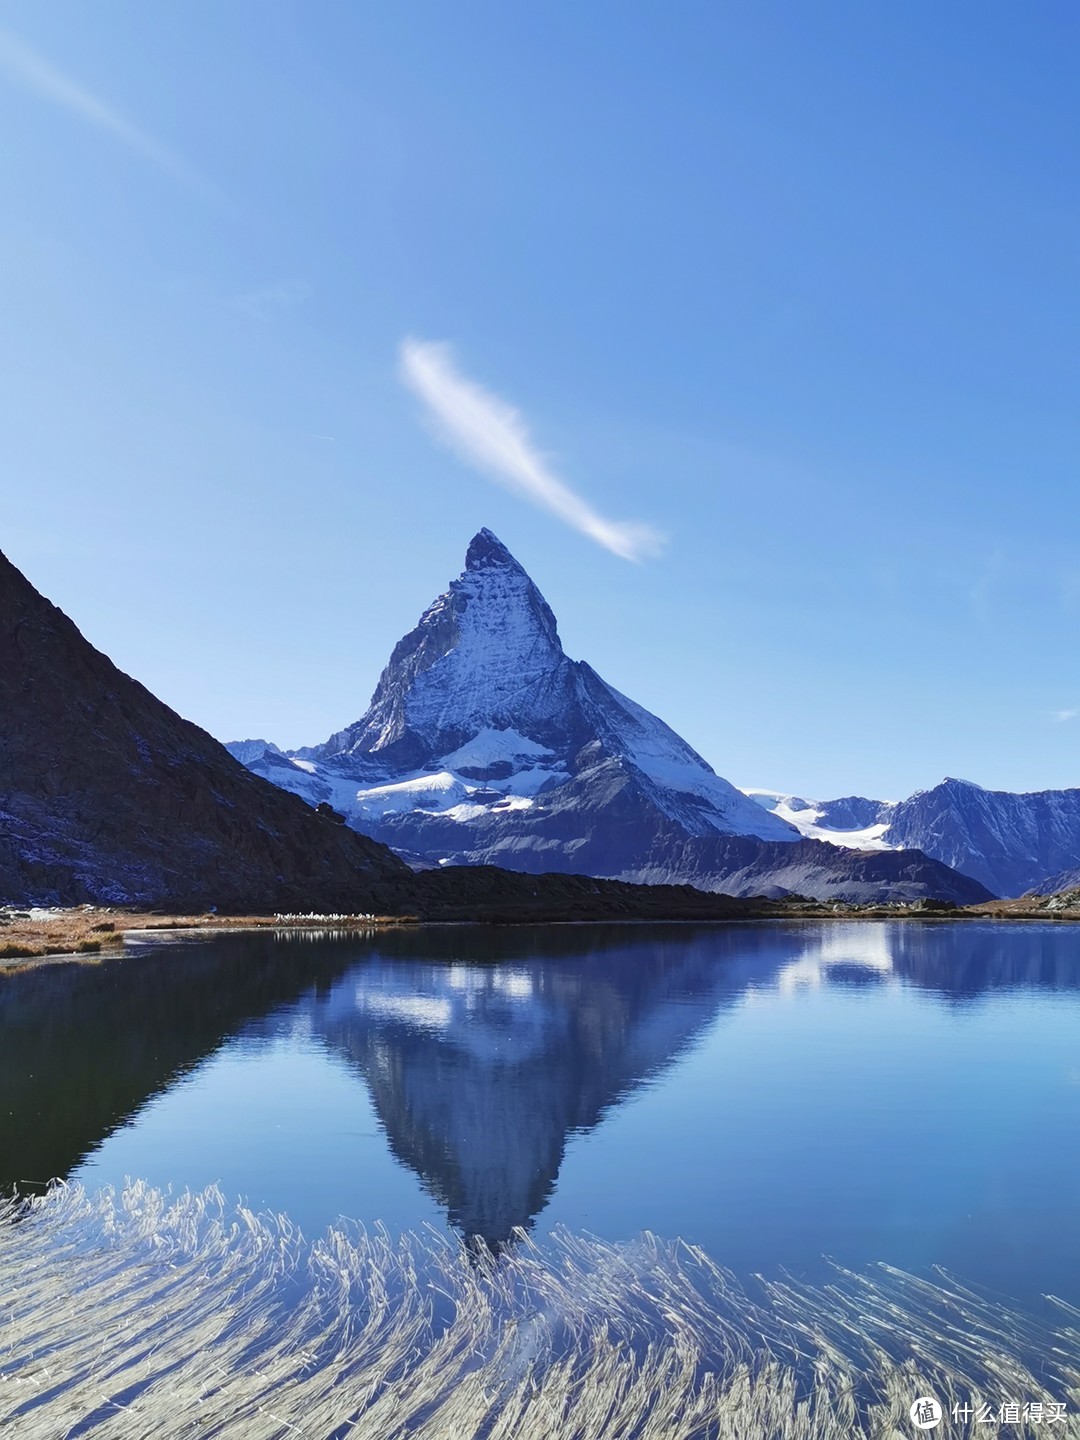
{"x":796,"y":287}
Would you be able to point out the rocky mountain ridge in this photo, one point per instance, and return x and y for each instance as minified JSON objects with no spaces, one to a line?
{"x":1011,"y":843}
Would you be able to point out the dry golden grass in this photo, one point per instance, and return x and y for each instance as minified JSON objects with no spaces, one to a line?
{"x":85,"y":931}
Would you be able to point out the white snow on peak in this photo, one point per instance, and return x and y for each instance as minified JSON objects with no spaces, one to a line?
{"x":769,"y":799}
{"x":950,"y":783}
{"x":248,"y":750}
{"x":471,"y":810}
{"x":430,"y":792}
{"x":666,"y":759}
{"x":503,"y":663}
{"x":490,"y":747}
{"x":440,"y":793}
{"x":806,"y":815}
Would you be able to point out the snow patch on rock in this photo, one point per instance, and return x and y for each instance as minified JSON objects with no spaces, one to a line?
{"x":811,"y":818}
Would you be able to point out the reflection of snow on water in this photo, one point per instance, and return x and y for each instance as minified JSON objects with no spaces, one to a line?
{"x":426,"y":1011}
{"x":515,"y":984}
{"x":490,"y":1014}
{"x":863,"y":947}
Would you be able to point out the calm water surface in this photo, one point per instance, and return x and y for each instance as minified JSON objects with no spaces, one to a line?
{"x":899,"y":1092}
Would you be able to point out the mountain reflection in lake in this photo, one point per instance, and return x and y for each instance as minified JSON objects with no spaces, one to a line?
{"x":907,"y":1092}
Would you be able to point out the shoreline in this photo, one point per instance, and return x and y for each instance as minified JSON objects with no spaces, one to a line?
{"x":91,"y":934}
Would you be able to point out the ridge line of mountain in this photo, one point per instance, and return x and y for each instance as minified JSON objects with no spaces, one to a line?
{"x":1012,"y":842}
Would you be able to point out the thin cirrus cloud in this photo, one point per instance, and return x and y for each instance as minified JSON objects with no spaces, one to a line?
{"x":492,"y":436}
{"x":1061,"y":716}
{"x":33,"y":72}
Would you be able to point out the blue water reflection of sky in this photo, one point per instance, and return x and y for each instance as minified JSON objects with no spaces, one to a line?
{"x":908,"y":1094}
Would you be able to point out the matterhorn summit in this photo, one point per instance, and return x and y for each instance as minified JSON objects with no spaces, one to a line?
{"x":484,"y":743}
{"x":484,"y":656}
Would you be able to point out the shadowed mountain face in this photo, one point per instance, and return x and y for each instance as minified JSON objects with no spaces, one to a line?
{"x":484,"y":1050}
{"x":108,"y":795}
{"x":484,"y":744}
{"x":1010,"y":843}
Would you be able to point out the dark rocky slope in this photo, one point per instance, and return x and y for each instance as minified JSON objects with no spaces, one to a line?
{"x":487,"y":892}
{"x":108,"y":795}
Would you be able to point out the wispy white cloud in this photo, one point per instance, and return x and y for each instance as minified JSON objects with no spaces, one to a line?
{"x":271,"y":300}
{"x":492,"y":435}
{"x":1060,"y":716}
{"x":31,"y":70}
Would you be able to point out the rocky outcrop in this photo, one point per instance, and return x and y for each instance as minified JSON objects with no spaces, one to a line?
{"x":1065,"y":882}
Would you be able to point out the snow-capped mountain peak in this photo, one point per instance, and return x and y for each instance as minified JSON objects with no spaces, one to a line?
{"x":483,"y":654}
{"x":248,"y":750}
{"x":480,"y":709}
{"x":486,"y":550}
{"x":484,"y":743}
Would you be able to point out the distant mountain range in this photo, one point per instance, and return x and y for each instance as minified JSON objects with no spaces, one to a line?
{"x":485,"y":744}
{"x":1008,"y":842}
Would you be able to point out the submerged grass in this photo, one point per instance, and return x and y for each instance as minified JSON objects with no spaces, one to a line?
{"x":125,"y":1316}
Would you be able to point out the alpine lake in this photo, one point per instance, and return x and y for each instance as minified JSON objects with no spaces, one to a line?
{"x":782,"y":1096}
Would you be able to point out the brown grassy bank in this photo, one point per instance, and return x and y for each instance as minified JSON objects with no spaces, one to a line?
{"x":88,"y":932}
